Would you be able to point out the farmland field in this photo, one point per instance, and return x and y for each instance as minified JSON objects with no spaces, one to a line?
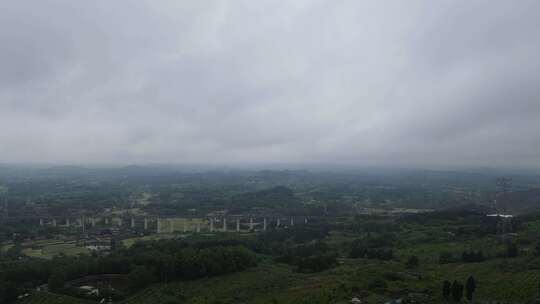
{"x":47,"y":249}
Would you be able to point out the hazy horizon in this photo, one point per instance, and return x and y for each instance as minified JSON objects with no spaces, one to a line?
{"x":416,"y":84}
{"x":254,"y":167}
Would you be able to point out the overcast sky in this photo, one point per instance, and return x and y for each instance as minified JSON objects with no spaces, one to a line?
{"x":393,"y":83}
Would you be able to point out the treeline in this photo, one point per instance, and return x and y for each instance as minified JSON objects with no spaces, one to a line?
{"x":472,"y":256}
{"x":271,"y":240}
{"x":144,"y":263}
{"x":454,"y":291}
{"x":468,"y":221}
{"x":374,"y":224}
{"x":276,"y":242}
{"x":301,"y":246}
{"x":477,"y":256}
{"x":373,"y":247}
{"x":312,"y":257}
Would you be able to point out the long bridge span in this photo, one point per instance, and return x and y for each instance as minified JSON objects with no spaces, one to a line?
{"x":160,"y":224}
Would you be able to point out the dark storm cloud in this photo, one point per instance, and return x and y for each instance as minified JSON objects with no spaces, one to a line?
{"x":416,"y":83}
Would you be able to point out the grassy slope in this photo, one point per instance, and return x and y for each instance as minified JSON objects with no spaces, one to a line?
{"x":49,"y":298}
{"x":498,"y":279}
{"x":509,"y":280}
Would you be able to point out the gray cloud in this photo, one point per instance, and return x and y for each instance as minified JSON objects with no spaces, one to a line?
{"x":415,"y":83}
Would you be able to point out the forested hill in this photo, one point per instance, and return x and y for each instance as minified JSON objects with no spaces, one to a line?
{"x":276,"y":197}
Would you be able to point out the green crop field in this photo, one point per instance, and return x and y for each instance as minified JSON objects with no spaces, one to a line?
{"x":154,"y":237}
{"x":4,"y":248}
{"x":49,"y":251}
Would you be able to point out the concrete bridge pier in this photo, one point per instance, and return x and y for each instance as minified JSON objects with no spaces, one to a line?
{"x":237,"y":225}
{"x":278,"y":222}
{"x":211,"y":224}
{"x":184,"y":224}
{"x":145,"y":224}
{"x":171,"y":226}
{"x":158,"y":225}
{"x":224,"y":224}
{"x":54,"y":222}
{"x":132,"y":223}
{"x":250,"y":224}
{"x":106,"y":221}
{"x":292,"y":221}
{"x":264,"y":224}
{"x":41,"y":222}
{"x":198,"y":227}
{"x":93,"y":221}
{"x":67,"y":222}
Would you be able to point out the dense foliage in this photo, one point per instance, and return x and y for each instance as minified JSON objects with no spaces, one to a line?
{"x":144,"y":263}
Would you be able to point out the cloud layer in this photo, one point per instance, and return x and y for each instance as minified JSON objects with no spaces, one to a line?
{"x":397,"y":83}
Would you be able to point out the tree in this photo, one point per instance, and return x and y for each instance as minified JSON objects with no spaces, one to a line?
{"x":141,"y":277}
{"x":377,"y":284}
{"x":8,"y":291}
{"x":57,"y":280}
{"x":470,"y":287}
{"x":472,"y":256}
{"x":512,"y":250}
{"x":457,"y":291}
{"x":446,"y":257}
{"x":412,"y":262}
{"x":446,"y":290}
